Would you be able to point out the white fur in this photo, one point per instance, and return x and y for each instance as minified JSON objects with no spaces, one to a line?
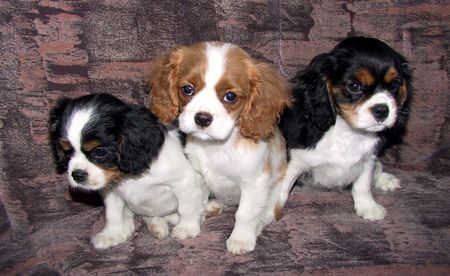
{"x":78,"y":121}
{"x":206,"y":100}
{"x":232,"y":167}
{"x":365,"y":119}
{"x":170,"y":191}
{"x":343,"y":156}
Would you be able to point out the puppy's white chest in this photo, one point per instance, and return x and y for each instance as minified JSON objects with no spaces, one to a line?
{"x":338,"y":158}
{"x":146,"y":199}
{"x":223,"y":165}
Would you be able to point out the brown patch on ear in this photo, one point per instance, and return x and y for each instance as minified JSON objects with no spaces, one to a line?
{"x":390,"y":75}
{"x":164,"y":101}
{"x":364,"y":77}
{"x":90,"y":145}
{"x":65,"y":144}
{"x":181,"y":66}
{"x":269,"y":94}
{"x":403,"y":93}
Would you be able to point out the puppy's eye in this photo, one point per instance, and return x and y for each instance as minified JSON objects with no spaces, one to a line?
{"x":187,"y":90}
{"x":394,"y":85}
{"x":354,"y":87}
{"x":230,"y":97}
{"x":99,"y":153}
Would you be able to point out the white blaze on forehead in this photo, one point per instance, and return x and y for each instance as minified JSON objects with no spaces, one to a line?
{"x":76,"y":124}
{"x":216,"y":57}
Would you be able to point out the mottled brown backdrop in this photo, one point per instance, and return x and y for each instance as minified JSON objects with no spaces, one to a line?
{"x":50,"y":49}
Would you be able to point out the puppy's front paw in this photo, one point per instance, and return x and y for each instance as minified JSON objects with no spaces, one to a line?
{"x":371,"y":212}
{"x":158,"y":227}
{"x":240,"y":245}
{"x":387,"y":182}
{"x":109,"y":238}
{"x":184,"y":231}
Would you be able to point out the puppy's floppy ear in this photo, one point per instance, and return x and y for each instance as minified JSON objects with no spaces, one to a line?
{"x":140,"y":139}
{"x":54,"y":130}
{"x":268,"y":95}
{"x":164,"y":98}
{"x":313,"y":111}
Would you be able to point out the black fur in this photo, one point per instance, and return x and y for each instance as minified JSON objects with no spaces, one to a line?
{"x":131,"y":137}
{"x":313,"y":113}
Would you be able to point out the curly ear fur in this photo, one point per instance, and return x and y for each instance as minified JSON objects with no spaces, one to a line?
{"x":164,"y":101}
{"x":269,"y":94}
{"x":54,"y":130}
{"x":313,"y":113}
{"x":142,"y":137}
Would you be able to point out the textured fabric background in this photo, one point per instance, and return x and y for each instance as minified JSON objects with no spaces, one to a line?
{"x":50,"y":49}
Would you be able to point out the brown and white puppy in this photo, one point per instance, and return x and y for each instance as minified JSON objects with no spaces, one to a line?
{"x":228,"y":104}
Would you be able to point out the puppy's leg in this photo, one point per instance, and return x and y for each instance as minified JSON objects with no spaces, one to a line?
{"x":192,"y":197}
{"x":119,"y":222}
{"x":365,"y":205}
{"x":172,"y":219}
{"x":157,"y":226}
{"x":249,"y":216}
{"x":295,"y":168}
{"x":385,"y":181}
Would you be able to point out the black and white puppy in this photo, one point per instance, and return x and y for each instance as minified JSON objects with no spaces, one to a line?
{"x":348,"y":103}
{"x":136,"y":162}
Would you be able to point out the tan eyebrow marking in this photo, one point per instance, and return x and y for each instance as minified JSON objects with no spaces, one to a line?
{"x":65,"y":144}
{"x":91,"y":144}
{"x":390,"y":75}
{"x":364,"y":76}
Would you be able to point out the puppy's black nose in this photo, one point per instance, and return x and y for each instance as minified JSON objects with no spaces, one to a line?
{"x":79,"y":175}
{"x":203,"y":119}
{"x":380,"y":112}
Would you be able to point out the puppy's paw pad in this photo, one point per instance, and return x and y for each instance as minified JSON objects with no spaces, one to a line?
{"x":159,"y":229}
{"x":372,"y":213}
{"x":107,"y":240}
{"x":185,"y":231}
{"x":240,"y":246}
{"x":387,"y":182}
{"x":214,"y":208}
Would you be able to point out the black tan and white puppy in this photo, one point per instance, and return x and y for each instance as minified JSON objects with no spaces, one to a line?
{"x":347,"y":104}
{"x":228,"y":104}
{"x":136,"y":162}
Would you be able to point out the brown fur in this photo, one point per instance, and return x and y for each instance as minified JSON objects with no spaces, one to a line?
{"x":390,"y":75}
{"x":269,"y":94}
{"x":402,"y":93}
{"x":262,"y":92}
{"x":90,"y":145}
{"x":364,"y":77}
{"x":181,"y":66}
{"x":65,"y":144}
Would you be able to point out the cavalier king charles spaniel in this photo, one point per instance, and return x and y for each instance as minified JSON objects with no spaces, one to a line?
{"x":228,"y":104}
{"x":348,"y":104}
{"x":137,"y":163}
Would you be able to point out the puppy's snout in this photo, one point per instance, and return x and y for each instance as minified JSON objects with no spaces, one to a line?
{"x":79,"y":176}
{"x":380,"y":112}
{"x":203,"y":119}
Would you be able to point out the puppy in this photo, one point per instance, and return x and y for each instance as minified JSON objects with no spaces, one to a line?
{"x":228,"y":104}
{"x":136,"y":162}
{"x":347,"y":103}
